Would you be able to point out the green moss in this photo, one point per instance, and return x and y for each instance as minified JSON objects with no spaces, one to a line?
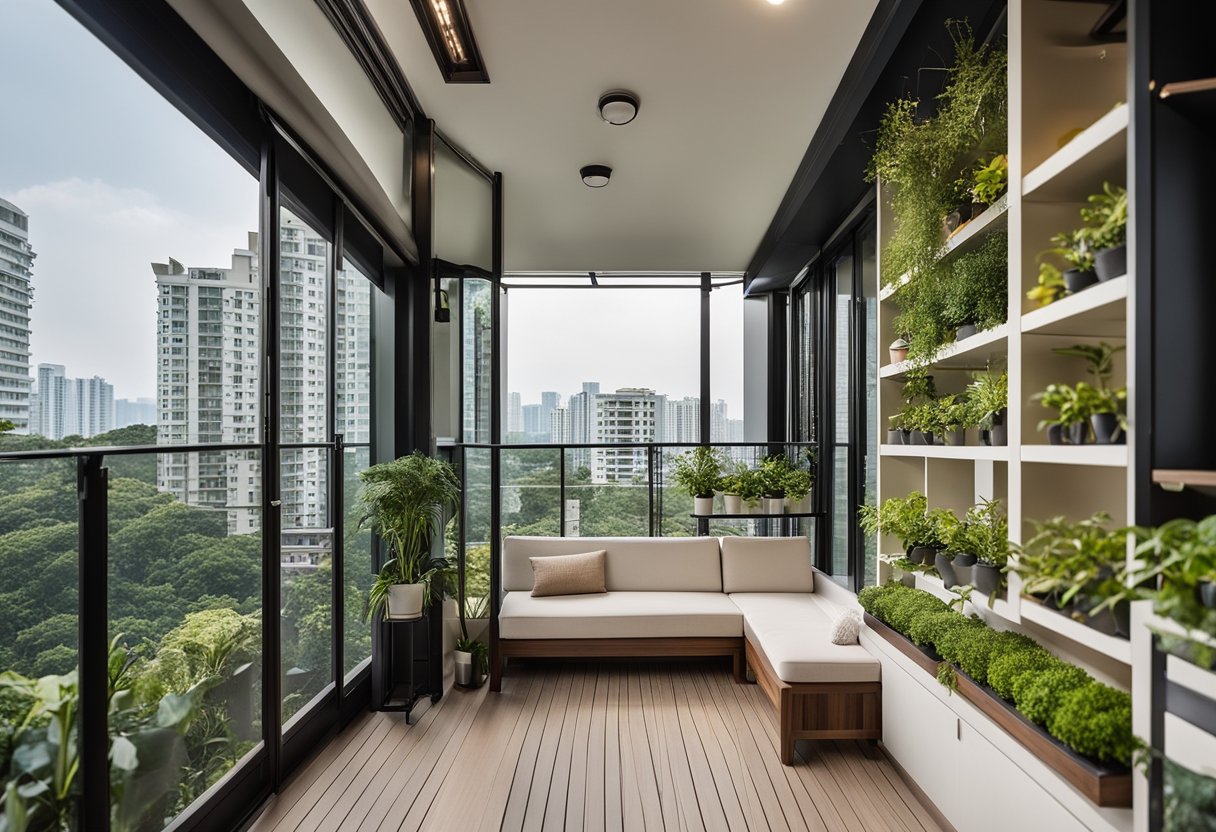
{"x":928,"y":630}
{"x":950,"y":643}
{"x":1095,"y":720}
{"x":1005,"y":670}
{"x":1037,"y":695}
{"x":974,"y":653}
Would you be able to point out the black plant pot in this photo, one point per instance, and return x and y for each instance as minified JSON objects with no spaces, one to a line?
{"x":1207,"y":594}
{"x":1000,"y":427}
{"x":907,"y":436}
{"x":986,"y":578}
{"x":1111,"y":262}
{"x":964,"y":566}
{"x":930,"y":438}
{"x":1111,"y":622}
{"x":1078,"y":433}
{"x":1106,"y":429}
{"x":964,"y":331}
{"x":1075,"y":280}
{"x":962,"y":559}
{"x":985,"y":437}
{"x":921,"y":554}
{"x":895,"y":437}
{"x":918,"y":438}
{"x":945,"y":568}
{"x":1055,"y":434}
{"x":956,"y":438}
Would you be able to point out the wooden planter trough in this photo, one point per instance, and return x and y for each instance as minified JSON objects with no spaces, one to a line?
{"x":1101,"y":785}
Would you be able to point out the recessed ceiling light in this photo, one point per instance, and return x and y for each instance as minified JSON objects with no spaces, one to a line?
{"x":595,"y":176}
{"x":446,"y":26}
{"x":618,"y":107}
{"x":775,"y":2}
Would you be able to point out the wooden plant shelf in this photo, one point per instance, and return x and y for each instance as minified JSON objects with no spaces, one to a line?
{"x":1181,"y":478}
{"x":1101,"y":786}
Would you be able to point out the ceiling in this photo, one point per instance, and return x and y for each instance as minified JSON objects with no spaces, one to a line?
{"x":731,"y":93}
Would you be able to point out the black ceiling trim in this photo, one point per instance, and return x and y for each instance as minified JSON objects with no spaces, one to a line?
{"x":358,"y":30}
{"x":886,"y":28}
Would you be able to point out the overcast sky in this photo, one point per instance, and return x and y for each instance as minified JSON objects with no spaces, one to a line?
{"x":115,"y":178}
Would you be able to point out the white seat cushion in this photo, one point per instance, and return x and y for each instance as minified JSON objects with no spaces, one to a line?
{"x":620,"y":615}
{"x":793,"y":630}
{"x":635,"y":564}
{"x":767,"y":564}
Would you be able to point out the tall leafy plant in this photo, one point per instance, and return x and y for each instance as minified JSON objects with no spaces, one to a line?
{"x":406,"y":502}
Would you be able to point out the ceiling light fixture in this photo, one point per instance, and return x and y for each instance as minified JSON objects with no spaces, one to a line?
{"x":775,"y":2}
{"x":446,"y":26}
{"x":595,"y":176}
{"x":618,"y":107}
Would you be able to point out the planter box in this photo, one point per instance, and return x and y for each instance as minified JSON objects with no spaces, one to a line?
{"x":1100,"y":785}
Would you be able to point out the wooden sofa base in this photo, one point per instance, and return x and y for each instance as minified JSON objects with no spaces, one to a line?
{"x":600,"y":648}
{"x":819,"y":711}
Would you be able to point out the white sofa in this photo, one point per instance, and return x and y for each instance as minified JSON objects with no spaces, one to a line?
{"x":749,"y":598}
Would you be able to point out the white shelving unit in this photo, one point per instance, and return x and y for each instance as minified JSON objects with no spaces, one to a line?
{"x":1068,"y":127}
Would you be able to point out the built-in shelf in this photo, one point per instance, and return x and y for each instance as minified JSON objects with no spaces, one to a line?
{"x":1096,"y":154}
{"x":1191,"y":676}
{"x":1106,"y":456}
{"x":933,"y":584}
{"x":968,"y":354}
{"x":995,"y":217}
{"x":1117,"y":648}
{"x":1171,"y":627}
{"x":1097,"y":312}
{"x":1177,"y":479}
{"x":975,"y":452}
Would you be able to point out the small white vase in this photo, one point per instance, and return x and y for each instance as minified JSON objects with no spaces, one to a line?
{"x":464,"y":667}
{"x":405,"y":601}
{"x":774,"y":505}
{"x":733,"y":503}
{"x":703,"y":505}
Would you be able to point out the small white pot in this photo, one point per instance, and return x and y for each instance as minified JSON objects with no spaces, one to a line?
{"x":733,"y":503}
{"x":405,"y":601}
{"x":774,"y":505}
{"x":464,"y":667}
{"x":703,"y":505}
{"x":802,"y":506}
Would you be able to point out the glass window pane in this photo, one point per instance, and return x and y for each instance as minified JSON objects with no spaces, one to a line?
{"x":477,"y":351}
{"x":356,"y":564}
{"x":185,"y":600}
{"x":353,"y":361}
{"x":868,"y":243}
{"x":726,"y":364}
{"x":842,"y":511}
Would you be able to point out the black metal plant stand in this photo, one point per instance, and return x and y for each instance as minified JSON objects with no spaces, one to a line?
{"x":397,"y":694}
{"x":703,"y":519}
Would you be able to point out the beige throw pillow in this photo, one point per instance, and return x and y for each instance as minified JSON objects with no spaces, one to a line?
{"x":569,"y":574}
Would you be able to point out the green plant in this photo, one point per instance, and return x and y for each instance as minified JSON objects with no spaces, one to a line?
{"x":480,"y":653}
{"x":1060,"y":398}
{"x":1005,"y":670}
{"x":405,"y":501}
{"x":1190,"y":799}
{"x":989,"y":394}
{"x":990,"y":179}
{"x":698,"y":471}
{"x":975,"y":286}
{"x":1082,"y":561}
{"x":931,"y":627}
{"x":797,"y":483}
{"x":1095,"y":720}
{"x":973,"y":655}
{"x":773,"y":473}
{"x":918,"y":386}
{"x":907,"y":518}
{"x":1050,"y":286}
{"x":985,"y":534}
{"x":1106,"y":217}
{"x":1179,"y":556}
{"x":1037,"y":695}
{"x":6,"y":426}
{"x":750,"y":484}
{"x":1100,"y":359}
{"x":1071,"y":248}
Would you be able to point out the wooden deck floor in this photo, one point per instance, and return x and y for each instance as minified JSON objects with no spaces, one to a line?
{"x":585,"y":746}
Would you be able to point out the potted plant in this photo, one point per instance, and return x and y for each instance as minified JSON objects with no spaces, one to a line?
{"x":957,"y":557}
{"x":1098,"y":405}
{"x":898,"y":350}
{"x":1106,"y":227}
{"x":1080,"y":569}
{"x":897,"y":433}
{"x":731,"y":486}
{"x":990,"y":179}
{"x":751,"y":489}
{"x":407,"y":502}
{"x":989,"y":394}
{"x":1055,"y":397}
{"x":908,"y":518}
{"x":772,"y":473}
{"x":698,"y":472}
{"x":988,"y":535}
{"x":1182,"y":558}
{"x":955,"y":415}
{"x":1073,"y":248}
{"x":798,"y":491}
{"x":1050,"y":286}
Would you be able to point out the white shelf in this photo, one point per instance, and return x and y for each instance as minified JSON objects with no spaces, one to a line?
{"x":974,"y":452}
{"x":960,"y":354}
{"x":1171,"y":627}
{"x":1106,"y":456}
{"x":1099,"y":312}
{"x":1191,"y":676}
{"x":1117,"y":648}
{"x":933,"y":584}
{"x":1096,"y":154}
{"x":995,"y":217}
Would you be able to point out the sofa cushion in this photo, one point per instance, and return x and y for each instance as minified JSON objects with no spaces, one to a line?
{"x":619,"y":615}
{"x":793,"y":630}
{"x":635,"y":564}
{"x":580,"y":574}
{"x":767,"y":564}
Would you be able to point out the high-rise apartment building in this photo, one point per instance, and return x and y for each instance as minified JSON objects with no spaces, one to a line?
{"x":208,"y":383}
{"x":16,"y":298}
{"x":627,"y":416}
{"x":62,"y":406}
{"x":352,"y":355}
{"x":515,"y":413}
{"x":534,"y":425}
{"x":478,"y":355}
{"x":559,"y":426}
{"x":681,"y":420}
{"x":138,"y":411}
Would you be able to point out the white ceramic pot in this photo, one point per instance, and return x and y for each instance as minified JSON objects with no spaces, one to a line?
{"x":733,"y":503}
{"x":774,"y":505}
{"x":405,"y":601}
{"x":464,"y":667}
{"x":802,"y":506}
{"x":703,"y":505}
